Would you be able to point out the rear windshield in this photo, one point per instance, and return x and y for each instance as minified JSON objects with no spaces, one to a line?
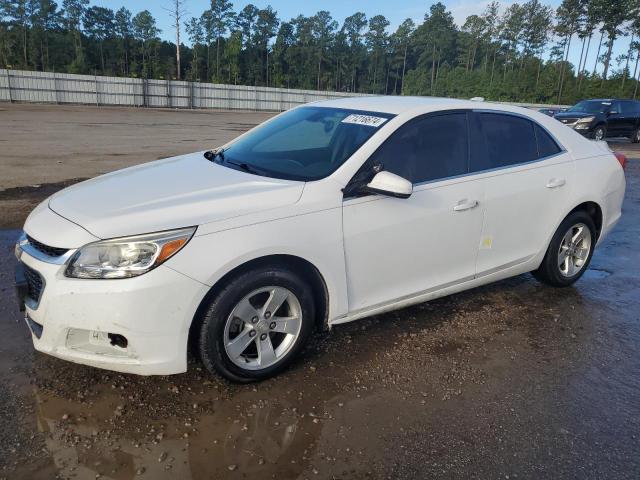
{"x":307,"y":143}
{"x":590,"y":106}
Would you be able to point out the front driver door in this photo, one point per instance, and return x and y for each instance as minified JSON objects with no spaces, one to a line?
{"x":397,"y":248}
{"x":616,"y":121}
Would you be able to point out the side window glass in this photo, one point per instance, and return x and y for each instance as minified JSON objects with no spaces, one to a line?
{"x":509,"y":140}
{"x":547,"y":146}
{"x":628,"y":107}
{"x":426,"y":149}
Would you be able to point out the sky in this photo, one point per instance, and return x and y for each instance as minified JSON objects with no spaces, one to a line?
{"x":395,"y":11}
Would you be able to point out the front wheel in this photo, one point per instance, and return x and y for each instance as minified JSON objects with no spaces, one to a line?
{"x":569,"y":252}
{"x":635,"y":138}
{"x":599,"y":133}
{"x":254,"y":327}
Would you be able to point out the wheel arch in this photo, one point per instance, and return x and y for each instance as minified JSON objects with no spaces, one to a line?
{"x":297,"y":264}
{"x":594,"y":210}
{"x":604,"y":125}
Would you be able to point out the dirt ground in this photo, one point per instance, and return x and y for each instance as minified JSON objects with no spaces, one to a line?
{"x":60,"y":145}
{"x":512,"y":380}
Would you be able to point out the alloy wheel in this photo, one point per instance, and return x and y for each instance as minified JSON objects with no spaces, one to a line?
{"x":574,"y":250}
{"x":599,"y":134}
{"x":262,"y":328}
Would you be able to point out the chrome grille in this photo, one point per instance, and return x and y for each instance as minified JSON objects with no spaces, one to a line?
{"x":46,"y":249}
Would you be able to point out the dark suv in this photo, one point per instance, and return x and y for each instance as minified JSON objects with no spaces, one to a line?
{"x":602,"y":118}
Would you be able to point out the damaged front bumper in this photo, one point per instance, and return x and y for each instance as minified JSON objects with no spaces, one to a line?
{"x":137,"y":325}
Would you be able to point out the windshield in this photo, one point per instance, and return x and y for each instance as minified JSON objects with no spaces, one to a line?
{"x":590,"y":106}
{"x":307,"y":143}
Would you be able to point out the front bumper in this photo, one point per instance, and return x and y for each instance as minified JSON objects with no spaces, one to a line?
{"x":80,"y":318}
{"x":585,"y":129}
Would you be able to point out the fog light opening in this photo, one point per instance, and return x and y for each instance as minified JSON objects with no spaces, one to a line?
{"x":118,"y":340}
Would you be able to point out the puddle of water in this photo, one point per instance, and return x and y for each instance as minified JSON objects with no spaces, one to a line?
{"x":257,"y":434}
{"x":596,"y":274}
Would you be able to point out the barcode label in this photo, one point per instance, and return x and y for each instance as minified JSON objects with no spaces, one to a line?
{"x":367,"y":120}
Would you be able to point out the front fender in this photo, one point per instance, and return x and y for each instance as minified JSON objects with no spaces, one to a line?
{"x":314,"y":237}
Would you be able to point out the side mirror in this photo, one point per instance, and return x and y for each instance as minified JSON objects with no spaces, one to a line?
{"x":390,"y":184}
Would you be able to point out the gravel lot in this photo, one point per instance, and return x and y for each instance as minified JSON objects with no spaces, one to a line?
{"x":60,"y":145}
{"x":511,"y":380}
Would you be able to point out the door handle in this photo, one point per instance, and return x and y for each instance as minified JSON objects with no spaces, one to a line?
{"x":465,"y":205}
{"x":556,"y":182}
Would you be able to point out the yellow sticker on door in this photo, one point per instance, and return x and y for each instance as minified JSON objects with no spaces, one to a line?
{"x":486,"y":243}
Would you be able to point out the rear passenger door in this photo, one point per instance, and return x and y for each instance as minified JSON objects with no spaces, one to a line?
{"x":527,"y":177}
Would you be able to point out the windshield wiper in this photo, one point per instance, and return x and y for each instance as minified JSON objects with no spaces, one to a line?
{"x":244,"y":166}
{"x":211,"y":155}
{"x":218,"y":153}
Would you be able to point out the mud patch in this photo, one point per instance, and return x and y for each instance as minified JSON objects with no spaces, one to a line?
{"x":16,"y":203}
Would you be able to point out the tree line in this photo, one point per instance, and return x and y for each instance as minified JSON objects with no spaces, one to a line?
{"x":517,"y":53}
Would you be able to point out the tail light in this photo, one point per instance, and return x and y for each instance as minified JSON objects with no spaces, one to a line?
{"x":621,"y":158}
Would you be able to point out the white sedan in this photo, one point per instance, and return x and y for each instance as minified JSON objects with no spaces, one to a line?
{"x":324,"y":214}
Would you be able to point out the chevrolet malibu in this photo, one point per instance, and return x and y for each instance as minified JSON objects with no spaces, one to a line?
{"x":324,"y":214}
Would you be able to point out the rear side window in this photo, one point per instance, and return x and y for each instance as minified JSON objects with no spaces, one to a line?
{"x":426,"y":149}
{"x":547,"y":146}
{"x":509,"y":140}
{"x":629,"y":107}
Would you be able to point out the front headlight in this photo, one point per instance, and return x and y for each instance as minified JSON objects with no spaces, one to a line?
{"x":127,"y":257}
{"x":586,"y":119}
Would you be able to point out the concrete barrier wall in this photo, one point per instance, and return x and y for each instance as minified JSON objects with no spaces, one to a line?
{"x":64,"y":88}
{"x":46,"y":87}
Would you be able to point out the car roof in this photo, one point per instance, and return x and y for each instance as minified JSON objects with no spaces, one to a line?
{"x":399,"y":104}
{"x":608,"y":100}
{"x":396,"y":104}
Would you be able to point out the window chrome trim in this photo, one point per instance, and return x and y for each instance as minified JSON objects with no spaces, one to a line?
{"x":24,"y":246}
{"x":490,"y":170}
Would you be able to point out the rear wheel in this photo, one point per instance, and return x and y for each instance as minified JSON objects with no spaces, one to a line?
{"x":569,"y":252}
{"x":600,"y":133}
{"x":254,"y":327}
{"x":635,"y":138}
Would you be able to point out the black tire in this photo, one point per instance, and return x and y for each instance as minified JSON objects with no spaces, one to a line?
{"x":635,"y":138}
{"x":603,"y":128}
{"x":210,"y":342}
{"x":549,"y":270}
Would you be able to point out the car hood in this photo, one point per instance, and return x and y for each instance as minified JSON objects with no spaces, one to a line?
{"x":172,"y":193}
{"x":573,"y":115}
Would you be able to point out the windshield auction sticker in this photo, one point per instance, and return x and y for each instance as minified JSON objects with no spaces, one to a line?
{"x":368,"y":120}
